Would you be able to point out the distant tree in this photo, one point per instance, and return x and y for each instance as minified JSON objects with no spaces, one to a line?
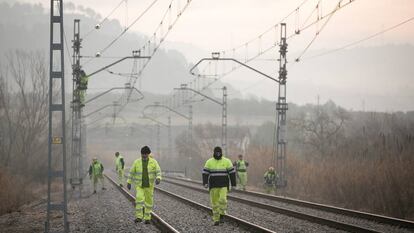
{"x":322,"y":126}
{"x":23,"y":110}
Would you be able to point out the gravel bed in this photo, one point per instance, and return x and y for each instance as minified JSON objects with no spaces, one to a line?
{"x":106,"y":211}
{"x":186,"y":218}
{"x":332,"y":216}
{"x":273,"y":221}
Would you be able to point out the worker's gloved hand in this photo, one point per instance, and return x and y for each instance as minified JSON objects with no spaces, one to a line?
{"x":157,"y":181}
{"x":206,"y":186}
{"x":129,"y":186}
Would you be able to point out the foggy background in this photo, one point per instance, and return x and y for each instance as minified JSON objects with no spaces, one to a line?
{"x":350,"y":119}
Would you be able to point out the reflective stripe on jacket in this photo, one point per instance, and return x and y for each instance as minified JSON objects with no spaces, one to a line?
{"x":219,"y":173}
{"x":135,"y":173}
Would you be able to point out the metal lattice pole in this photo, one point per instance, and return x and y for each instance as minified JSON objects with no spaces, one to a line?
{"x":169,"y":137}
{"x":190,"y":124}
{"x":158,"y":139}
{"x":57,"y":130}
{"x":224,"y":122}
{"x":76,"y":158}
{"x":281,"y":108}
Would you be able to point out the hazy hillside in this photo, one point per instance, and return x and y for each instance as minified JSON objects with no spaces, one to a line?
{"x":26,"y":26}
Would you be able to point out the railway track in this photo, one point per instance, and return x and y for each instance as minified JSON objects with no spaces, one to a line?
{"x":339,"y":218}
{"x":233,"y":223}
{"x":158,"y":221}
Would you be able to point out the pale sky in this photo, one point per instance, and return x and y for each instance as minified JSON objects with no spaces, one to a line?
{"x":214,"y":25}
{"x":221,"y":24}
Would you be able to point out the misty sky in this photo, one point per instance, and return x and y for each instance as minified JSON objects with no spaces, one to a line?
{"x":221,"y":24}
{"x":213,"y":25}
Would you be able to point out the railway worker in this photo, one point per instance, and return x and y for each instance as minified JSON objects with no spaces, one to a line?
{"x":270,"y":180}
{"x":96,"y":174}
{"x":241,"y":170}
{"x":119,"y":167}
{"x":83,"y":82}
{"x":218,"y":172}
{"x":83,"y":86}
{"x":144,"y":172}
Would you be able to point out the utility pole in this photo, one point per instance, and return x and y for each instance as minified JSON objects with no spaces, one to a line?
{"x":169,"y":137}
{"x":223,"y":104}
{"x":224,"y":122}
{"x":281,"y":107}
{"x":190,"y":124}
{"x":158,"y":139}
{"x":57,"y":130}
{"x":76,"y":158}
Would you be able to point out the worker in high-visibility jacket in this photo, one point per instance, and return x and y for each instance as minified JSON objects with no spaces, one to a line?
{"x":144,"y":172}
{"x":96,"y":174}
{"x":119,"y":167}
{"x":82,"y":87}
{"x":218,"y":173}
{"x":270,"y":178}
{"x":241,"y":171}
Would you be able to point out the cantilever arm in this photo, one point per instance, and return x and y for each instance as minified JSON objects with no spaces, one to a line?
{"x":115,"y":88}
{"x":166,"y":107}
{"x":152,"y":119}
{"x":205,"y":96}
{"x":234,"y":60}
{"x":116,"y":62}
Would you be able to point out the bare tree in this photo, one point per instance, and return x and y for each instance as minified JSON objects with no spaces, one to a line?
{"x":23,"y":105}
{"x":321,"y":127}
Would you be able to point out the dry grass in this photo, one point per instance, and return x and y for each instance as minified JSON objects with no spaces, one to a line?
{"x":15,"y":191}
{"x":382,"y":185}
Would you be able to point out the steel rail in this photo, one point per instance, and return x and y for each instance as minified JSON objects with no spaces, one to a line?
{"x":332,"y":209}
{"x":291,"y":213}
{"x":157,"y":220}
{"x":251,"y":226}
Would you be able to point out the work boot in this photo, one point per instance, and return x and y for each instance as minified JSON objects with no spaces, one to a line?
{"x":137,"y":220}
{"x":216,"y":223}
{"x":147,"y":222}
{"x":221,"y":218}
{"x":103,"y":188}
{"x":94,"y":191}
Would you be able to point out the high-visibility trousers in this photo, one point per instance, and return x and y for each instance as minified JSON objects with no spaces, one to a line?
{"x":218,"y":201}
{"x":96,"y":179}
{"x":82,"y":96}
{"x":242,"y":179}
{"x":144,"y":202}
{"x":269,"y":188}
{"x":120,"y":176}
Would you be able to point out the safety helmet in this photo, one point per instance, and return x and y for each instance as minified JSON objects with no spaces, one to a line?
{"x":271,"y":169}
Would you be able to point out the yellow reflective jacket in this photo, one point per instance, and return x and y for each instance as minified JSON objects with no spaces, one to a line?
{"x":135,"y":172}
{"x":219,"y":173}
{"x":119,"y":163}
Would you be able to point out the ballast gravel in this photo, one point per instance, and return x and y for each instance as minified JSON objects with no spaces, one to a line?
{"x":319,"y":213}
{"x":186,"y":218}
{"x":273,"y":221}
{"x":106,"y":211}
